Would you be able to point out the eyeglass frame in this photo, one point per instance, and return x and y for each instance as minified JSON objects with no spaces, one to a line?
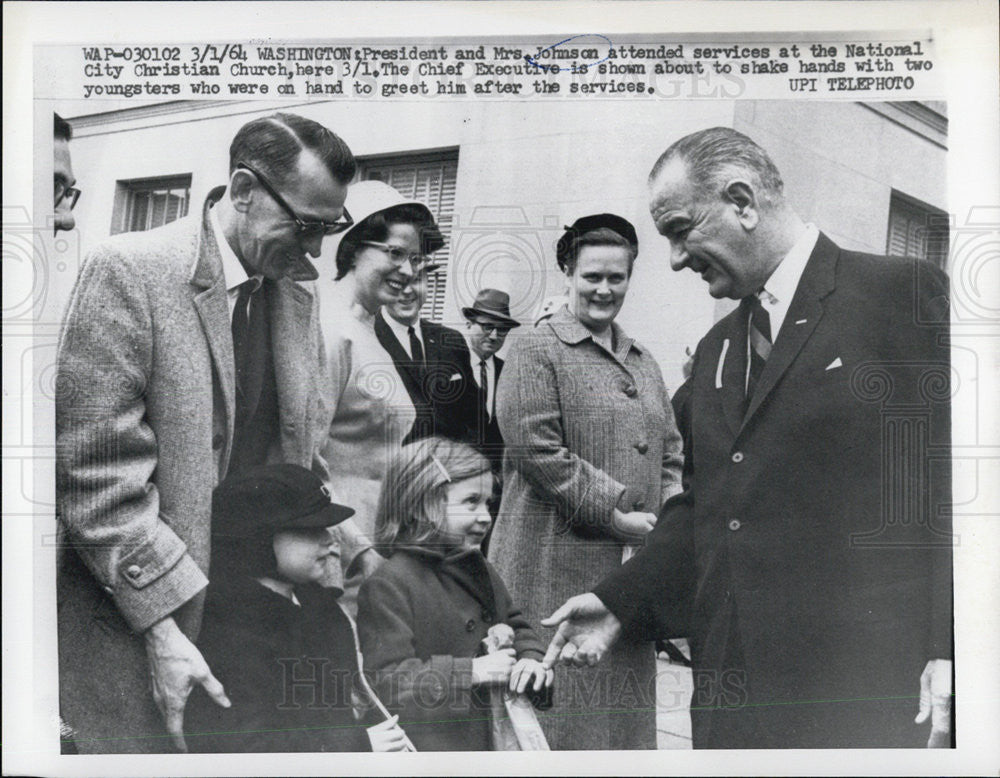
{"x":397,"y":251}
{"x":306,"y":229}
{"x":67,"y":191}
{"x":502,"y":330}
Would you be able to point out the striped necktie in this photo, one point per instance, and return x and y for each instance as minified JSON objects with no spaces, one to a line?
{"x":760,"y":342}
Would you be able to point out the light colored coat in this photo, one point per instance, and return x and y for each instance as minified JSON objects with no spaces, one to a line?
{"x":144,"y":428}
{"x":586,"y":431}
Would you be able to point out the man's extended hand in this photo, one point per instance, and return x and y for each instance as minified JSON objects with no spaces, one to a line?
{"x":587,"y":629}
{"x":175,"y":666}
{"x":935,"y":702}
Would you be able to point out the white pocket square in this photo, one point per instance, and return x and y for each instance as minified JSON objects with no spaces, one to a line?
{"x":835,"y":363}
{"x":456,"y":377}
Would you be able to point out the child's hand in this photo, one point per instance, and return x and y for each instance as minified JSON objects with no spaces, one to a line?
{"x":387,"y":736}
{"x":493,"y":668}
{"x":527,"y":670}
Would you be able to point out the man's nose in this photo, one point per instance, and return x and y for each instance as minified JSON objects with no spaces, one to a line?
{"x":64,"y":220}
{"x":678,"y":255}
{"x":313,"y":246}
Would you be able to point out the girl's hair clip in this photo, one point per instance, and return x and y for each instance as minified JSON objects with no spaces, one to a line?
{"x":441,"y":468}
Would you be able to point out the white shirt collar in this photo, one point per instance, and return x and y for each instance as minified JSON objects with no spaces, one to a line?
{"x":232,"y":269}
{"x":780,"y":287}
{"x":401,"y":331}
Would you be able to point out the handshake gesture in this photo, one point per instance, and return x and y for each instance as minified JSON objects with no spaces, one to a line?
{"x":587,"y":629}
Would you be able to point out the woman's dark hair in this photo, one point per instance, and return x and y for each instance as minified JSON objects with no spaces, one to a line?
{"x":376,"y":228}
{"x":602,"y":236}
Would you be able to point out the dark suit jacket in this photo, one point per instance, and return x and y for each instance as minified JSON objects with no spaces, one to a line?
{"x":444,"y":394}
{"x":487,"y":430}
{"x":809,"y":559}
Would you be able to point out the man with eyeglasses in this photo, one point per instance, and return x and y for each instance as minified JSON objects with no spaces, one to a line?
{"x":188,"y":352}
{"x":64,"y":182}
{"x":488,"y":322}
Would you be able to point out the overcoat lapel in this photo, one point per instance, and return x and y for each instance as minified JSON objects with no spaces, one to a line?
{"x":213,"y":311}
{"x":803,"y":315}
{"x":295,"y":348}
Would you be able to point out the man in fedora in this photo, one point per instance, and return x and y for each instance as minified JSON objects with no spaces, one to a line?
{"x":488,"y":321}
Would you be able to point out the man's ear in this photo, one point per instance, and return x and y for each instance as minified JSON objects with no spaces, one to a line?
{"x":741,"y":196}
{"x":241,"y":189}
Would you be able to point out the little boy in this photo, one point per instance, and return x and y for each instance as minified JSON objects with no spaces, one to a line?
{"x":279,"y":644}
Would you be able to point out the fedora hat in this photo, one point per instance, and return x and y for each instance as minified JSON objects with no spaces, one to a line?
{"x":491,"y":304}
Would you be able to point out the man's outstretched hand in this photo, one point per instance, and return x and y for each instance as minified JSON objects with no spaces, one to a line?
{"x":587,"y":629}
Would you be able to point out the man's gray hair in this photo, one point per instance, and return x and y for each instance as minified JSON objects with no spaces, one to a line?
{"x":717,"y":155}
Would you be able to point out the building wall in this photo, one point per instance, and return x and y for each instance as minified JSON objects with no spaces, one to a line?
{"x":526,"y":169}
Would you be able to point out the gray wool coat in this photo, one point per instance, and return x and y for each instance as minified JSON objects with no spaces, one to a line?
{"x":586,"y":431}
{"x":144,"y":427}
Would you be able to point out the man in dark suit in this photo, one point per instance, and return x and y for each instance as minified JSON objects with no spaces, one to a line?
{"x":488,"y":322}
{"x":809,"y":558}
{"x":434,"y":364}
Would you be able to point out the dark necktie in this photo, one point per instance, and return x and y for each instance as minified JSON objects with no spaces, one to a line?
{"x":484,"y":384}
{"x":760,"y":342}
{"x":249,"y":332}
{"x":241,"y":326}
{"x":416,"y":349}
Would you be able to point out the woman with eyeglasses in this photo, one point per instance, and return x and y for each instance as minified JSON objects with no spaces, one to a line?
{"x":372,"y":412}
{"x":592,"y":452}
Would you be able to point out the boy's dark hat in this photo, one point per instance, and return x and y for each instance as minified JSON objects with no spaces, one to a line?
{"x":270,"y":498}
{"x":596,"y":221}
{"x":491,"y":304}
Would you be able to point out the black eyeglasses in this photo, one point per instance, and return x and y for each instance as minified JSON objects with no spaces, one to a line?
{"x":488,"y":327}
{"x":307,"y":230}
{"x":399,"y":255}
{"x":64,"y":192}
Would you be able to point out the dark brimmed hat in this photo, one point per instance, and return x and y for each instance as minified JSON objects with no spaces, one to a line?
{"x":586,"y":224}
{"x":267,"y":499}
{"x":491,"y":304}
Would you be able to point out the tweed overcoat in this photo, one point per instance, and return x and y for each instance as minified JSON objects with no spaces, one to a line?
{"x":144,"y":428}
{"x":586,"y":431}
{"x":810,"y":559}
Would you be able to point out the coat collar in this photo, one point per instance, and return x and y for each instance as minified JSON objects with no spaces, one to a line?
{"x":467,"y":568}
{"x":571,"y":332}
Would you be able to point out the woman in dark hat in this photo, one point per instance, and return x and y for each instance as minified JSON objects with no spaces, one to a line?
{"x":592,"y":452}
{"x":267,"y":623}
{"x":371,"y":410}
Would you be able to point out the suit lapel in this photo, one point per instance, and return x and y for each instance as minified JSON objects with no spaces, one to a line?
{"x":803,"y":315}
{"x":400,"y":358}
{"x":733,"y":371}
{"x":213,"y":311}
